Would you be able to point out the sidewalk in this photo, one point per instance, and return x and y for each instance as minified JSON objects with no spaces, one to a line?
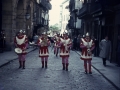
{"x":111,"y":72}
{"x":8,"y":56}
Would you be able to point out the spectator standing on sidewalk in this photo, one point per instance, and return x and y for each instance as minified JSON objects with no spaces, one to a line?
{"x":87,"y":45}
{"x":118,"y":52}
{"x":20,"y":42}
{"x":105,"y":49}
{"x":2,"y":41}
{"x":35,"y":38}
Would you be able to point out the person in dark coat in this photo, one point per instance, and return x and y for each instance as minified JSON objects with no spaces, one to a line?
{"x":105,"y":49}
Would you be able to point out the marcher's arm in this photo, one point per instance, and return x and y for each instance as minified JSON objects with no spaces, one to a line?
{"x":93,"y":46}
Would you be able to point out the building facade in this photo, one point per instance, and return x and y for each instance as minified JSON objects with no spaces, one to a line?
{"x":101,"y":18}
{"x":27,"y":15}
{"x":65,"y":14}
{"x":74,"y":23}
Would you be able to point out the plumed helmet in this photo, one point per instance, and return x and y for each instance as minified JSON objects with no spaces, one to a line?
{"x":65,"y":33}
{"x":87,"y":34}
{"x":24,"y":31}
{"x":21,"y":31}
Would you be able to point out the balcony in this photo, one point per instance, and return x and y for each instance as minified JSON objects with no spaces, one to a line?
{"x":84,"y":11}
{"x":46,"y":5}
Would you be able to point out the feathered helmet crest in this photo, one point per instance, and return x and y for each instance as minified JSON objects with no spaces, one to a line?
{"x":21,"y":31}
{"x":87,"y":34}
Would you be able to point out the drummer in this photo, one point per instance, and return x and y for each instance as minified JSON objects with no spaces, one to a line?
{"x":21,"y":42}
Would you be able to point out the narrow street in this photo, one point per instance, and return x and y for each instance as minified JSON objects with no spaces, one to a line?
{"x":52,"y":78}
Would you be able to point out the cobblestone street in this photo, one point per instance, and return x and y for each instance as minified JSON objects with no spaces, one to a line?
{"x":52,"y":78}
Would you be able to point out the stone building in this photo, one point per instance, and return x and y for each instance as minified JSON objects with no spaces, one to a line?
{"x":25,"y":15}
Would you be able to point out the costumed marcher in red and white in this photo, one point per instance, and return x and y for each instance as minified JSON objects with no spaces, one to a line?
{"x":56,"y":44}
{"x":65,"y":44}
{"x":21,"y":41}
{"x":43,"y":43}
{"x":87,"y":45}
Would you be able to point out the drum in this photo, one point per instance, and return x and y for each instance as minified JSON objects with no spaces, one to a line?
{"x":18,"y":50}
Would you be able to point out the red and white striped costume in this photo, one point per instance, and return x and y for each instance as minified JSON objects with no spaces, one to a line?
{"x":21,"y":42}
{"x":65,"y":46}
{"x":43,"y":52}
{"x":87,"y":46}
{"x":84,"y":54}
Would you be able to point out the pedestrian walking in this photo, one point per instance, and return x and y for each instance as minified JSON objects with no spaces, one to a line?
{"x":56,"y":44}
{"x":35,"y":38}
{"x":87,"y":45}
{"x":20,"y":43}
{"x":65,"y":44}
{"x":43,"y":43}
{"x":105,"y":49}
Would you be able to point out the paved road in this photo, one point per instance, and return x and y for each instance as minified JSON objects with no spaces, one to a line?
{"x":52,"y":78}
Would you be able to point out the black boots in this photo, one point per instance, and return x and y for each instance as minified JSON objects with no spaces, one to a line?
{"x":20,"y":64}
{"x":23,"y":64}
{"x":65,"y":67}
{"x":42,"y":64}
{"x":45,"y":64}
